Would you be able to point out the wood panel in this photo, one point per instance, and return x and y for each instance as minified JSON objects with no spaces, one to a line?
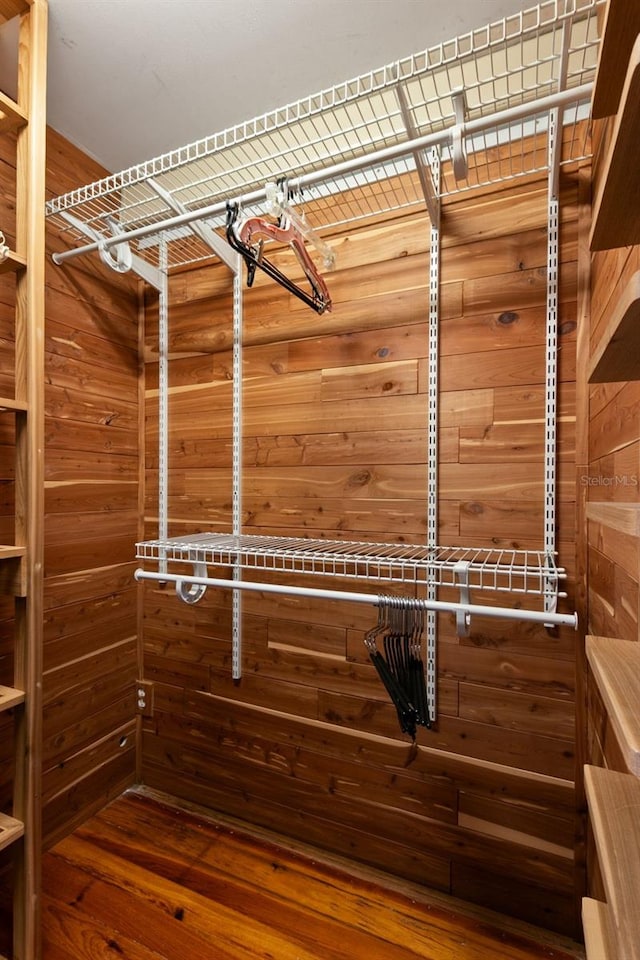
{"x":217,"y":890}
{"x":611,"y":486}
{"x":334,"y":445}
{"x":91,"y":518}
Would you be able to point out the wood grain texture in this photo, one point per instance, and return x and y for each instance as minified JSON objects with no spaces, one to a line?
{"x":615,"y":665}
{"x":620,"y":28}
{"x":614,"y":811}
{"x":91,"y":517}
{"x":617,"y":196}
{"x":334,"y":445}
{"x":211,"y":889}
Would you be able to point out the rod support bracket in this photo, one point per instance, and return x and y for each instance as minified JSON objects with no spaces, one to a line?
{"x":190,"y":592}
{"x":463,"y":617}
{"x":459,"y":151}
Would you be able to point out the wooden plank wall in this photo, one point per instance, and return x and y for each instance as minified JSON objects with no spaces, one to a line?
{"x":91,"y":520}
{"x":611,"y":481}
{"x":7,"y":454}
{"x":614,"y":455}
{"x":335,"y":446}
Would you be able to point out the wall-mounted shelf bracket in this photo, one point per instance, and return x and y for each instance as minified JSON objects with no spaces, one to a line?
{"x":201,"y":229}
{"x":458,"y":147}
{"x":424,"y":169}
{"x":118,"y":257}
{"x":463,"y":619}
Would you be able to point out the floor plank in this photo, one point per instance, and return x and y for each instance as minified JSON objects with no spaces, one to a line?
{"x":143,"y":880}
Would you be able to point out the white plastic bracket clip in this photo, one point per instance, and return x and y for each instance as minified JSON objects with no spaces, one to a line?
{"x":459,"y":152}
{"x":463,"y":617}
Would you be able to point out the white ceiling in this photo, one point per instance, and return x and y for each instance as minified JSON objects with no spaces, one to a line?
{"x":130,"y":79}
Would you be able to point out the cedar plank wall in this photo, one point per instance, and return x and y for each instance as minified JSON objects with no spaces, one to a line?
{"x":614,"y":477}
{"x":334,"y":446}
{"x":91,"y":524}
{"x":91,"y":484}
{"x":7,"y":454}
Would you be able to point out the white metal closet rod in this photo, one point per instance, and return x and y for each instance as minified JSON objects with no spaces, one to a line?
{"x":510,"y":115}
{"x":443,"y":606}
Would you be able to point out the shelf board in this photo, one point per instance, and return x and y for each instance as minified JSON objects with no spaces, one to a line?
{"x":10,"y":697}
{"x":615,"y":665}
{"x":614,"y":812}
{"x":616,"y":211}
{"x":598,"y":937}
{"x":15,"y":406}
{"x":623,"y":517}
{"x":12,"y":263}
{"x":11,"y":8}
{"x":620,"y":29}
{"x":8,"y":552}
{"x":11,"y":115}
{"x":10,"y":830}
{"x":618,"y":354}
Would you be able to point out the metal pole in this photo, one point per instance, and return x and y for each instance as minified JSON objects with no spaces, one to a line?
{"x":432,"y":439}
{"x":512,"y":114}
{"x":472,"y":609}
{"x":163,"y":398}
{"x":237,"y":469}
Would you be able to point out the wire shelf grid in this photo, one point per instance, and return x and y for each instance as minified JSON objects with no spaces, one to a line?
{"x":517,"y":60}
{"x":499,"y":570}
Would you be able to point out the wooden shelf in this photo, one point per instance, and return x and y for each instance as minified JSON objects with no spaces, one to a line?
{"x":618,"y":354}
{"x":8,"y":552}
{"x":15,"y":406}
{"x":11,"y":8}
{"x":598,"y":937}
{"x":614,"y":811}
{"x":624,"y":517}
{"x":13,"y":263}
{"x":11,"y":116}
{"x":616,"y":211}
{"x":615,"y":665}
{"x":620,"y":29}
{"x":10,"y":697}
{"x":10,"y":830}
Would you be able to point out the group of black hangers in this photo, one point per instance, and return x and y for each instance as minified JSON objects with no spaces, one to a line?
{"x":399,"y":664}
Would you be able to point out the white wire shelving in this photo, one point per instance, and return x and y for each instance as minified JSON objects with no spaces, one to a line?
{"x":508,"y":101}
{"x":355,"y":150}
{"x":485,"y":570}
{"x":511,"y":571}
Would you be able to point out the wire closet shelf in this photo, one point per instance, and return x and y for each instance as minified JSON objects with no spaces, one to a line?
{"x":511,"y":571}
{"x":355,"y":151}
{"x":494,"y":99}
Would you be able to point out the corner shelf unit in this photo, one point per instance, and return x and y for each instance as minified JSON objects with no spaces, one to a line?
{"x":617,"y":356}
{"x":21,"y":561}
{"x":616,"y":209}
{"x":612,"y":929}
{"x":614,"y":810}
{"x":620,"y":28}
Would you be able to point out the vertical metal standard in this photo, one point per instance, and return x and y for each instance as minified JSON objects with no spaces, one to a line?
{"x":551,"y":359}
{"x":163,"y":397}
{"x":236,"y":638}
{"x":432,"y":439}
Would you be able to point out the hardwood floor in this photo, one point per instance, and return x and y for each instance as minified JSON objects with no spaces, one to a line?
{"x":145,"y":881}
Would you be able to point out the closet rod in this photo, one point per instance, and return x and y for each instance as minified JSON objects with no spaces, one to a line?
{"x":511,"y":115}
{"x":443,"y":606}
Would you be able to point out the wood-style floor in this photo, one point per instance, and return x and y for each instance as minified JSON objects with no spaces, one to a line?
{"x":144,"y":881}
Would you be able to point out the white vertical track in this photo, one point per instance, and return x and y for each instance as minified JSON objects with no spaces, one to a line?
{"x":432,"y":452}
{"x":237,"y":468}
{"x":551,"y":357}
{"x":163,"y":397}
